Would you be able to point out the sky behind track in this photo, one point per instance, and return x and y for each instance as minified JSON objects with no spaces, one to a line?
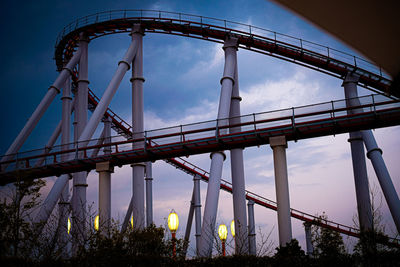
{"x":182,"y":86}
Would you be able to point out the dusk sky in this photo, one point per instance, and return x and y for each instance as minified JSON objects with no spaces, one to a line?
{"x":182,"y":86}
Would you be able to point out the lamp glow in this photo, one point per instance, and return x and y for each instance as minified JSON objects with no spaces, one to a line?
{"x":132,"y":221}
{"x":173,"y":221}
{"x":96,"y":223}
{"x":233,"y":228}
{"x":68,"y":225}
{"x":222,"y":232}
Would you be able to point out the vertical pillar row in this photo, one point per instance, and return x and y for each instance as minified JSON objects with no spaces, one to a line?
{"x":138,"y":169}
{"x":358,"y":160}
{"x":279,"y":145}
{"x":252,"y":229}
{"x":217,"y":158}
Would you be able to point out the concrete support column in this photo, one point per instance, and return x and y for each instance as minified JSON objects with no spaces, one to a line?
{"x":65,"y":140}
{"x":309,"y":245}
{"x":237,"y":171}
{"x":374,"y":153}
{"x":197,"y":210}
{"x":81,"y":115}
{"x":138,"y":127}
{"x":358,"y":159}
{"x":189,"y":223}
{"x":279,"y":145}
{"x":149,"y":194}
{"x":217,"y":158}
{"x":104,"y":169}
{"x":252,"y":229}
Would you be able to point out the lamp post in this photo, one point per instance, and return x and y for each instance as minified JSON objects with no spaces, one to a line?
{"x":173,"y":223}
{"x":96,"y":223}
{"x":223,"y":233}
{"x":233,"y":228}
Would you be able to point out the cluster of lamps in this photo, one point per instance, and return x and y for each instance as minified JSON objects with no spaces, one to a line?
{"x":173,"y":223}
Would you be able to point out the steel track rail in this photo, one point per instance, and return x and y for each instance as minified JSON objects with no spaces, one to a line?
{"x":299,"y":51}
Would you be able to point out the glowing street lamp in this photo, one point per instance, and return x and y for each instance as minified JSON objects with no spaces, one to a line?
{"x":96,"y":223}
{"x":173,"y":223}
{"x":132,"y":221}
{"x":223,"y":233}
{"x":68,"y":226}
{"x":233,"y":228}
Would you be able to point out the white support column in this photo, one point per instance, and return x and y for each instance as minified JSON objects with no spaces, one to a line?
{"x":65,"y":140}
{"x":197,"y":210}
{"x":138,"y":127}
{"x":189,"y":224}
{"x":104,"y":169}
{"x":374,"y":153}
{"x":279,"y":145}
{"x":252,"y":229}
{"x":359,"y":165}
{"x":309,"y":245}
{"x":237,"y":171}
{"x":149,"y":194}
{"x":42,"y":107}
{"x":217,"y":158}
{"x":81,"y":115}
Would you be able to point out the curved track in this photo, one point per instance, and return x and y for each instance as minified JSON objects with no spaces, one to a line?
{"x":308,"y":54}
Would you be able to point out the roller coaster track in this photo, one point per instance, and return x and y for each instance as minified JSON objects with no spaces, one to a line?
{"x":288,"y":48}
{"x":123,"y":128}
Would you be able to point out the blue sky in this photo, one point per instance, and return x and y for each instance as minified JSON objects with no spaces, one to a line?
{"x":182,"y":86}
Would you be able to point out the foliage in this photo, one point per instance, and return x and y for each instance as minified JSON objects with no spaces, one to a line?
{"x":291,"y":255}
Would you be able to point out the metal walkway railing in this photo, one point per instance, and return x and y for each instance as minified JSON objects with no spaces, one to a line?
{"x":295,"y":123}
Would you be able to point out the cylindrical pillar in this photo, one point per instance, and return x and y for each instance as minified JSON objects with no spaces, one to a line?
{"x":189,"y":224}
{"x":374,"y":153}
{"x":309,"y":245}
{"x":65,"y":140}
{"x":217,"y":158}
{"x":358,"y":159}
{"x":104,"y":169}
{"x":81,"y":116}
{"x":149,"y":194}
{"x":237,"y":171}
{"x":197,"y":210}
{"x":279,"y":145}
{"x":138,"y":127}
{"x":252,"y":228}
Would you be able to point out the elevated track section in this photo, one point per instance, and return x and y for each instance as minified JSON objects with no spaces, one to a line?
{"x":309,"y":54}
